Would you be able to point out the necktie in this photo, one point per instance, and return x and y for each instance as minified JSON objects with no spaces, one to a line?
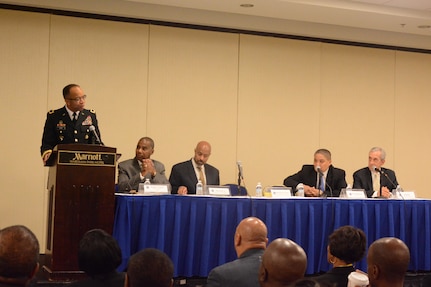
{"x":74,"y":118}
{"x":376,"y":181}
{"x":201,"y":175}
{"x":321,"y":182}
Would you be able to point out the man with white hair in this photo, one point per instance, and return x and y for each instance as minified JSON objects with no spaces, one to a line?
{"x":376,"y":180}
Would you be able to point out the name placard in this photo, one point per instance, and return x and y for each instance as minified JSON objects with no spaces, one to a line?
{"x":153,"y":189}
{"x":353,"y":193}
{"x":407,"y":195}
{"x":217,"y":190}
{"x":86,"y":158}
{"x":280,"y":192}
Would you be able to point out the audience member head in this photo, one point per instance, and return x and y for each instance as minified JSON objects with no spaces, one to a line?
{"x":99,"y":253}
{"x":74,"y":97}
{"x":144,"y":148}
{"x":346,"y":245}
{"x":388,"y":259}
{"x":307,"y":282}
{"x":250,"y":233}
{"x":376,"y":158}
{"x":19,"y":255}
{"x":322,"y":159}
{"x":150,"y":268}
{"x":283,"y":262}
{"x":202,"y":153}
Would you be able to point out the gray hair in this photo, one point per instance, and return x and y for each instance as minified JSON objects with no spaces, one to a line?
{"x":379,"y":149}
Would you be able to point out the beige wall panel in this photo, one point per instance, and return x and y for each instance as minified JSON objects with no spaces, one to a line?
{"x":110,"y":62}
{"x":265,"y":101}
{"x":412,"y":121}
{"x":278,"y":107}
{"x":23,"y":88}
{"x":357,"y":105}
{"x":193,"y":95}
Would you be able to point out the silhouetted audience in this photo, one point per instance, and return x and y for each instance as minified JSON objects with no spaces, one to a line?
{"x":150,"y":268}
{"x":250,"y":242}
{"x":346,"y":246}
{"x":19,"y":256}
{"x":307,"y":282}
{"x":283,"y":262}
{"x":388,"y":259}
{"x":99,"y":255}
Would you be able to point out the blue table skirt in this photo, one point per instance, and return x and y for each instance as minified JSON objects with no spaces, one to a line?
{"x":197,"y":232}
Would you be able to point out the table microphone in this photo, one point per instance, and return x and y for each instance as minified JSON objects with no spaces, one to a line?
{"x":240,"y":173}
{"x":319,"y":171}
{"x":386,"y":175}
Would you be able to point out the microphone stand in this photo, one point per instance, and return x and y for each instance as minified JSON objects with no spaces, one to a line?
{"x":239,"y":182}
{"x":387,"y":176}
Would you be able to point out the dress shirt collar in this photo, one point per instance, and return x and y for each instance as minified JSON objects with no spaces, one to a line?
{"x":71,"y":113}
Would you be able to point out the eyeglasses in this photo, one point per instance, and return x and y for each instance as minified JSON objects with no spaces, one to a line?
{"x":78,"y":99}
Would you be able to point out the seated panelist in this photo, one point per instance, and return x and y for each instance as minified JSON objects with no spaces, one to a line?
{"x":374,"y":179}
{"x":133,"y":171}
{"x":185,"y":175}
{"x":319,"y":179}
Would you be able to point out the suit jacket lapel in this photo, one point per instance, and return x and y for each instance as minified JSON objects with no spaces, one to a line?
{"x":370,"y":180}
{"x":330,"y":176}
{"x":135,"y":164}
{"x":191,"y":172}
{"x":65,"y":117}
{"x":82,"y":116}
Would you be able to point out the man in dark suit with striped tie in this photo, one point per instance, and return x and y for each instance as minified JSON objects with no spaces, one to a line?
{"x":185,"y":175}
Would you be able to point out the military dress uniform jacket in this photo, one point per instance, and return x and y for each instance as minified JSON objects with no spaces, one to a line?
{"x":59,"y":129}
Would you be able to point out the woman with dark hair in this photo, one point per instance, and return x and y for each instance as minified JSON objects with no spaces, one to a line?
{"x":98,"y":256}
{"x":345,"y":247}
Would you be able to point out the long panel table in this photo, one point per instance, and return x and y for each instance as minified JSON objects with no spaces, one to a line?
{"x":197,"y":231}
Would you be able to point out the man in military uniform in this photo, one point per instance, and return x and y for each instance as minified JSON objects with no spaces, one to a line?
{"x":69,"y":124}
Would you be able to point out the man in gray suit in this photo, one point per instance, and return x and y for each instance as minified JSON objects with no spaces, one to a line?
{"x":185,"y":175}
{"x":250,"y":242}
{"x":133,"y":171}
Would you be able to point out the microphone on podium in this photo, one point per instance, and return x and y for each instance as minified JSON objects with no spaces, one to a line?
{"x":93,"y":130}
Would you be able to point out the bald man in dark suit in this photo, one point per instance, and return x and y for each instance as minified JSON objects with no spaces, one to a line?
{"x":185,"y":175}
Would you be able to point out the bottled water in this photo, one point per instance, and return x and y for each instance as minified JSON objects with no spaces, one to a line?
{"x":147,"y":181}
{"x":259,"y":189}
{"x":300,"y":191}
{"x":199,"y":188}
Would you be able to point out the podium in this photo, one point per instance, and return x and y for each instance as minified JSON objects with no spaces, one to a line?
{"x":81,"y":187}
